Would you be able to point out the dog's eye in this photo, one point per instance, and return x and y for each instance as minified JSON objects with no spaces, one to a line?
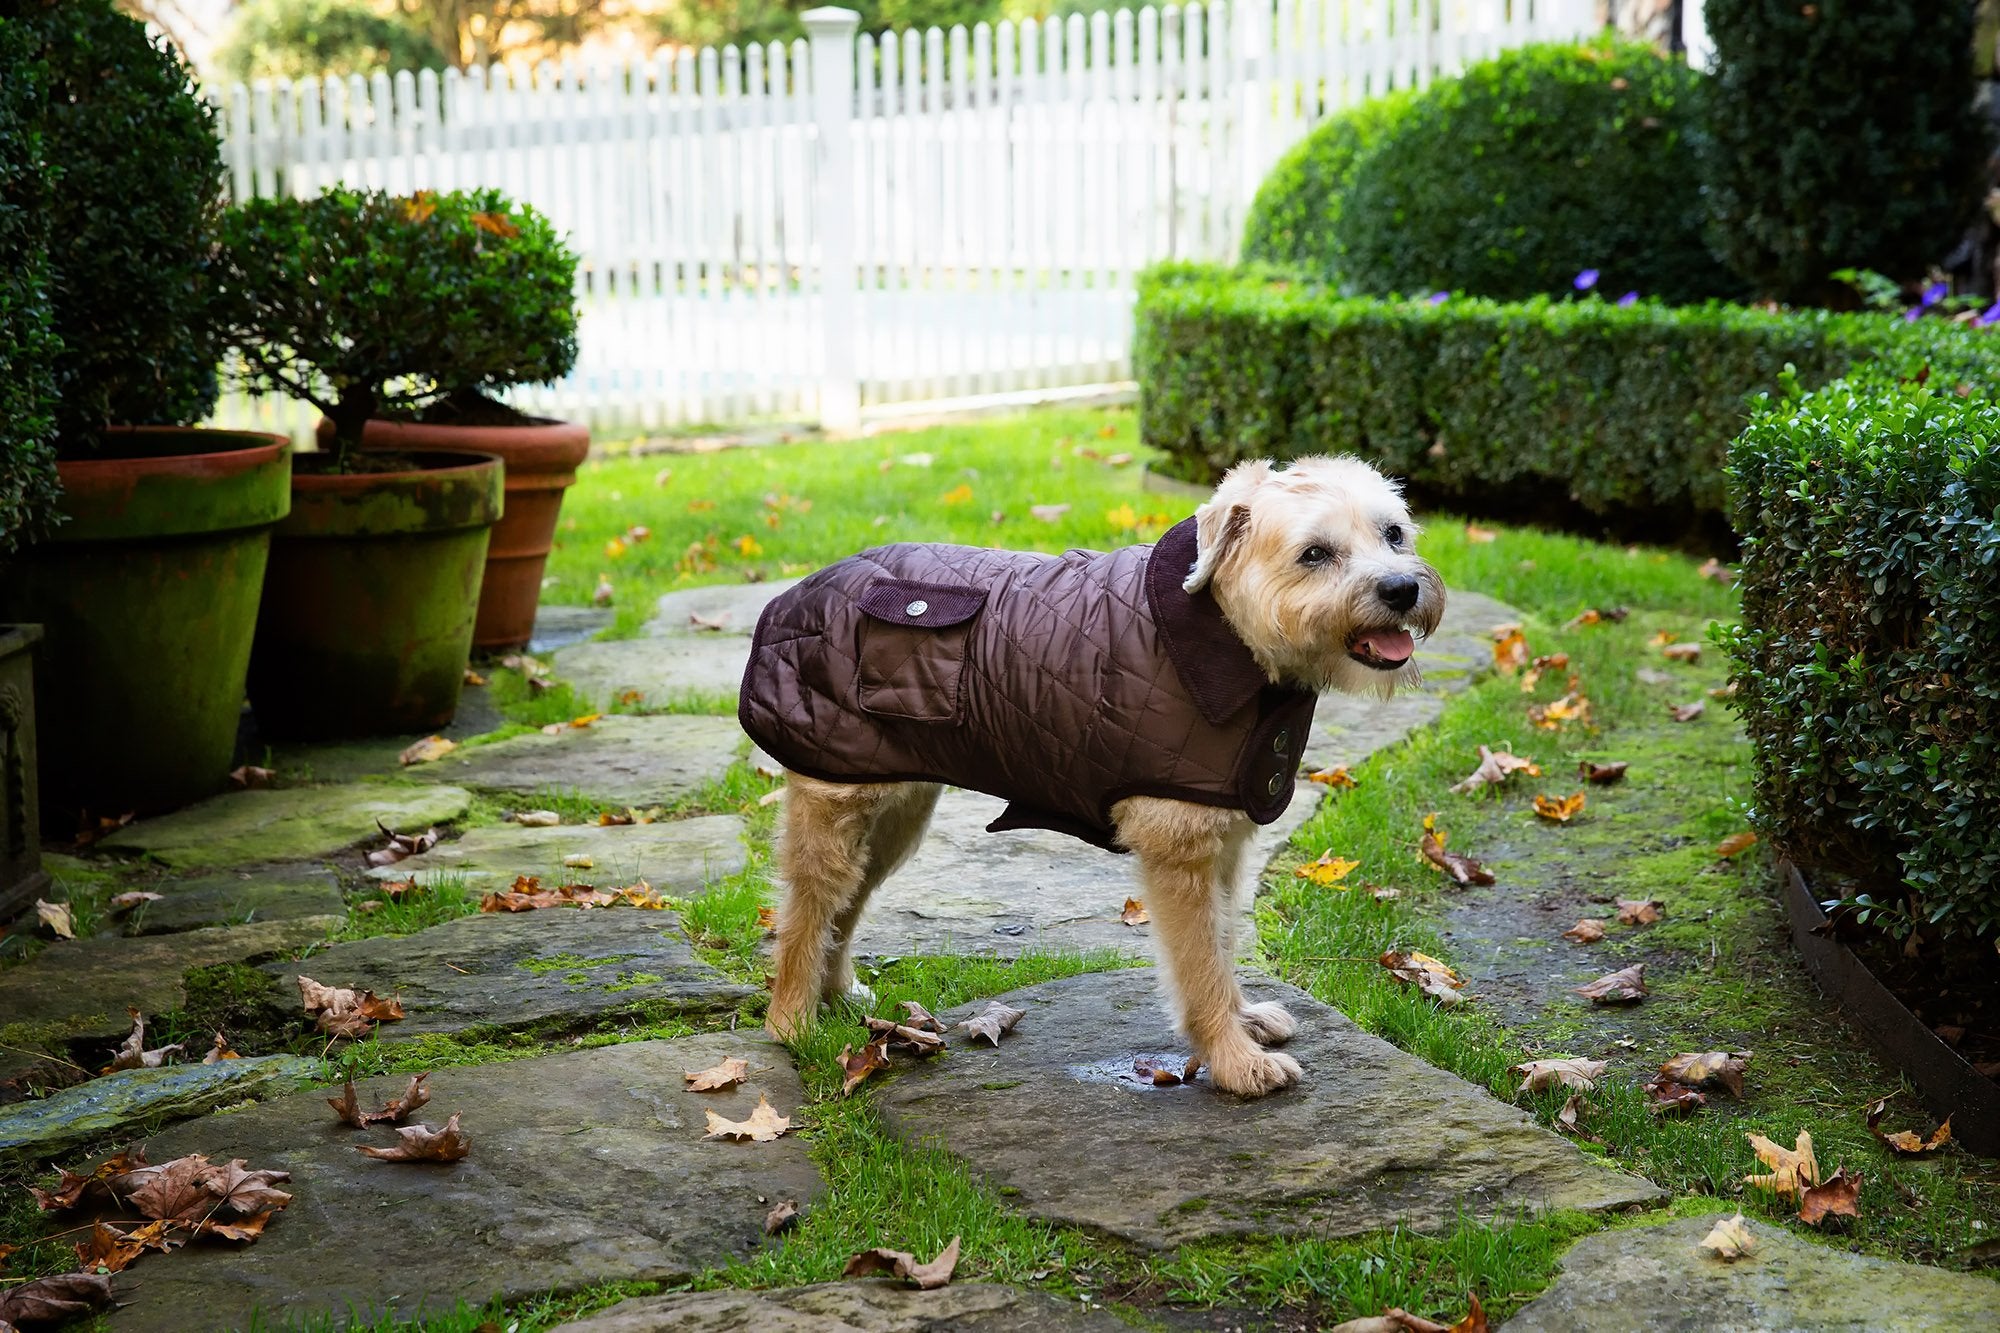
{"x":1393,"y":534}
{"x":1315,"y":555}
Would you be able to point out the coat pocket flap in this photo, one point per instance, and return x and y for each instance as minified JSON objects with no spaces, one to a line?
{"x":922,"y":605}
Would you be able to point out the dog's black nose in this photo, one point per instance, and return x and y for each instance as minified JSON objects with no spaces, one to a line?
{"x":1398,"y":592}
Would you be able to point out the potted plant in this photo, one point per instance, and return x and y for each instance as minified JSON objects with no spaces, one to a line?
{"x":535,"y":336}
{"x":145,"y":561}
{"x":362,"y":303}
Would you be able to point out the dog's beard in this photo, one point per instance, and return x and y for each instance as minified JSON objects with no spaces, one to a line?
{"x":1357,"y":645}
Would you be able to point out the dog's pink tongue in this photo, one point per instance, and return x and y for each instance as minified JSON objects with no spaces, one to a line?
{"x":1388,"y":645}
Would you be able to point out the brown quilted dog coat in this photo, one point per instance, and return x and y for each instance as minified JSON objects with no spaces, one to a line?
{"x":1061,"y":684}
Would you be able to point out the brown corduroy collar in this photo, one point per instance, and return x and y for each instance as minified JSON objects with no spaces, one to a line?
{"x":1215,"y":666}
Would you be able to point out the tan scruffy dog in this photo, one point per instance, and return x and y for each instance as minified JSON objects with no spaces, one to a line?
{"x":1153,"y":700}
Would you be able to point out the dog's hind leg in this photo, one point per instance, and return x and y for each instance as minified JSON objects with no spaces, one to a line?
{"x":900,"y":821}
{"x":823,"y":861}
{"x":1269,"y":1023}
{"x":1182,"y":849}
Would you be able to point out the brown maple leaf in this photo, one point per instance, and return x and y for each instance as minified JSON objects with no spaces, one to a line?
{"x":1462,"y":869}
{"x":1602,"y":774}
{"x":124,"y":902}
{"x":1730,"y":1239}
{"x":109,"y":1250}
{"x":1838,"y":1195}
{"x":50,"y":1300}
{"x":1567,"y":1072}
{"x":901,"y":1037}
{"x":249,"y":775}
{"x":342,"y":1008}
{"x":1335,"y":777}
{"x":1791,"y":1168}
{"x":1668,"y":1098}
{"x":1639,"y":911}
{"x":1510,"y":648}
{"x":767,"y":920}
{"x":1734,"y":844}
{"x":718,"y":1077}
{"x":1572,"y":707}
{"x":219,"y":1052}
{"x":69,"y":1189}
{"x":1688,"y":712}
{"x":401,"y":846}
{"x":421,"y":1143}
{"x":1682,"y":652}
{"x":133,"y":1053}
{"x":1495,"y":767}
{"x":1559,"y":810}
{"x":903,"y":1264}
{"x":1621,"y":987}
{"x":1395,"y":1319}
{"x":237,"y":1228}
{"x":172,"y":1191}
{"x":1902,"y":1140}
{"x":764,"y":1124}
{"x":1569,"y":1120}
{"x":391,"y":1112}
{"x":1426,"y":973}
{"x":1135,"y":913}
{"x":1161,"y":1074}
{"x":1587,"y":931}
{"x":784,"y":1215}
{"x":919,"y":1017}
{"x":237,"y":1189}
{"x":1709,"y":1069}
{"x":991,"y":1021}
{"x":859,"y":1065}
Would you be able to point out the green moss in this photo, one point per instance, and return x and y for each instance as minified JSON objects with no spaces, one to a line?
{"x":557,"y":962}
{"x":633,"y":980}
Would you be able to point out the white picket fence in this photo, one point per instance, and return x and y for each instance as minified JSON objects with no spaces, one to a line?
{"x":857,"y":225}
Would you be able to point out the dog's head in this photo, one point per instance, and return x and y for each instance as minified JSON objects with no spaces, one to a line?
{"x":1316,"y":570}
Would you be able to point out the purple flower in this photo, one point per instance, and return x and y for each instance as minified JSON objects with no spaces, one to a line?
{"x":1936,"y":292}
{"x":1586,"y":280}
{"x":1629,"y":299}
{"x":1439,"y":298}
{"x":1911,"y":315}
{"x":1990,"y":315}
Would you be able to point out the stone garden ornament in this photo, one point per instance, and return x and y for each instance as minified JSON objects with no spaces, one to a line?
{"x":1155,"y":699}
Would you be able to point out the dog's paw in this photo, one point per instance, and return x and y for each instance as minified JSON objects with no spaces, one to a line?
{"x":1253,"y":1072}
{"x":1269,"y":1024}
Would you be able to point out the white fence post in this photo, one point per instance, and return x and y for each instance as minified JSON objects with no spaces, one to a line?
{"x":832,"y":31}
{"x":1694,"y":36}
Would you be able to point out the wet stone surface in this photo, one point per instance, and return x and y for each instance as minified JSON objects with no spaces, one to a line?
{"x":232,"y":897}
{"x":621,"y":761}
{"x":131,"y":1101}
{"x":852,"y":1307}
{"x":1373,"y":1137}
{"x":584,"y":1167}
{"x":286,"y":824}
{"x":556,"y":969}
{"x":675,"y":856}
{"x":675,"y":658}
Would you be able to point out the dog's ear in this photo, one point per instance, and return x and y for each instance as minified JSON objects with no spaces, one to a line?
{"x":1221,"y":522}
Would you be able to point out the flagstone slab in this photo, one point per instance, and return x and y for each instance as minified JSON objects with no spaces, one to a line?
{"x":674,"y":658}
{"x":676,"y":856}
{"x":274,"y":893}
{"x":1372,"y":1137}
{"x":853,"y":1307}
{"x":585,"y":1167}
{"x":1658,"y":1279}
{"x":641,"y":761}
{"x":556,"y":969}
{"x":131,"y":1102}
{"x":286,"y":824}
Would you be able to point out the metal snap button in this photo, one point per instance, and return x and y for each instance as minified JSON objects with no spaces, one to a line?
{"x":916,"y":608}
{"x":1281,"y":743}
{"x":1275,"y":784}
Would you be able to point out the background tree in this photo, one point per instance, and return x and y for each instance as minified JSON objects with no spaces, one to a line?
{"x":296,"y":38}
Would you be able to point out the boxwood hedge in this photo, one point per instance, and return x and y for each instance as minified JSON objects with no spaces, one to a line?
{"x":28,"y":344}
{"x":1869,"y":655}
{"x":1621,"y":410}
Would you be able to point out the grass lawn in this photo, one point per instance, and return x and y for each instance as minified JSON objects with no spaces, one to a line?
{"x":1721,"y":972}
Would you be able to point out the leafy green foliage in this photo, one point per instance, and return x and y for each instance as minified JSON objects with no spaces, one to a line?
{"x":1616,"y":408}
{"x":1294,"y":221}
{"x":1869,"y":656}
{"x":138,"y":180}
{"x":28,"y":346}
{"x":359,"y":302}
{"x":297,"y":39}
{"x":721,"y":22}
{"x":1840,"y":135}
{"x":1528,"y":169}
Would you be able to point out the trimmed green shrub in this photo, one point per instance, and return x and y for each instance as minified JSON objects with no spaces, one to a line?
{"x":296,"y":39}
{"x":1619,"y":409}
{"x":139,"y":181}
{"x":364,"y":302}
{"x":1526,"y":170}
{"x":27,"y":340}
{"x":1294,"y":220}
{"x":1840,"y":135}
{"x":1868,"y":661}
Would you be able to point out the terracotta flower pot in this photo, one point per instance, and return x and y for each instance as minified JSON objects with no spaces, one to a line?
{"x":368,"y":608}
{"x":147,"y":594}
{"x":541,"y":460}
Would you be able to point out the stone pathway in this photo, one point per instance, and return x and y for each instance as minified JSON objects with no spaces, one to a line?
{"x":853,"y":1307}
{"x":105,"y":1107}
{"x":674,"y":856}
{"x":292,"y":823}
{"x":674,"y":658}
{"x":638,"y":761}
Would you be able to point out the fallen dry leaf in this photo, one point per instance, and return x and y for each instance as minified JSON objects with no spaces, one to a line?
{"x":342,"y":1012}
{"x":1048,"y":513}
{"x":603,"y":593}
{"x":1495,"y":767}
{"x":1735,"y":844}
{"x":133,"y":1053}
{"x":1510,"y":649}
{"x":857,"y":1065}
{"x":1572,"y":707}
{"x":1712,"y":568}
{"x":990,"y":1022}
{"x":1165,"y":1074}
{"x":219,"y":1052}
{"x":1682,"y":652}
{"x":1666,"y":1097}
{"x":767,"y":918}
{"x":579,"y":861}
{"x":536,"y":818}
{"x":904,"y":1265}
{"x":401,"y":846}
{"x":1587,"y":931}
{"x":1559,"y":810}
{"x":56,"y":917}
{"x":473,"y":678}
{"x":528,"y":895}
{"x":1395,"y":1319}
{"x":783,"y":1216}
{"x":1476,"y":534}
{"x":1569,"y":1120}
{"x":918,"y":1017}
{"x":1723,"y":691}
{"x":1426,"y":973}
{"x":1730,"y":1239}
{"x":126,"y":901}
{"x":1791,"y":1168}
{"x":1688,"y":712}
{"x":1335,"y":777}
{"x":1328,"y":870}
{"x":426,"y":750}
{"x":1602,"y":774}
{"x":1462,"y":869}
{"x":1837,"y":1196}
{"x":1568,"y":1071}
{"x":421,"y":1143}
{"x":1639,"y":912}
{"x":50,"y":1300}
{"x":715,"y":1078}
{"x":1621,"y":987}
{"x":1709,"y":1069}
{"x":1902,"y":1140}
{"x":109,"y":1250}
{"x":392,"y":1112}
{"x":764,"y":1125}
{"x":249,"y":775}
{"x":1135,"y":913}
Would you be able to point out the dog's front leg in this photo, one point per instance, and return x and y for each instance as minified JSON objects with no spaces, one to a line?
{"x":1184,"y":851}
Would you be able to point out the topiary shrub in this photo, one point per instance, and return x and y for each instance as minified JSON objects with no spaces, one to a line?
{"x":1841,"y":135}
{"x":1513,"y":178}
{"x":297,"y":39}
{"x":1868,"y":660}
{"x":364,"y":302}
{"x":1294,"y":220}
{"x":27,"y":339}
{"x":139,"y":181}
